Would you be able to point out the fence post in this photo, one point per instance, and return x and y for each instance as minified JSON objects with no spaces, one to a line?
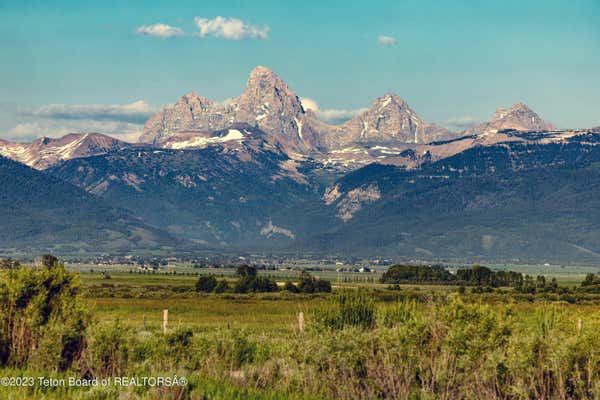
{"x":301,"y":321}
{"x":165,"y":320}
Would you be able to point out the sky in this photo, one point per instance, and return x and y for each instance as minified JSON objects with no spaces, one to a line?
{"x":105,"y":66}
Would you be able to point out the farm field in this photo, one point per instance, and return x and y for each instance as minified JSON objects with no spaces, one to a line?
{"x":138,"y":299}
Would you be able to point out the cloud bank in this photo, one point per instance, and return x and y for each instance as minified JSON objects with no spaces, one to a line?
{"x":137,"y":112}
{"x":159,"y":30}
{"x":27,"y":131}
{"x":229,"y":29}
{"x":123,"y":121}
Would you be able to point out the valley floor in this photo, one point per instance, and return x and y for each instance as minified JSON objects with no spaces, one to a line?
{"x":420,"y":342}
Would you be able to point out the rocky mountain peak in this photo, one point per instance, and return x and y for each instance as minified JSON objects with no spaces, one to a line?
{"x":263,"y":73}
{"x":518,"y":116}
{"x":270,"y":104}
{"x":192,"y":97}
{"x":267,"y":103}
{"x":267,"y":89}
{"x":390,"y":119}
{"x":389,"y":101}
{"x":517,"y":108}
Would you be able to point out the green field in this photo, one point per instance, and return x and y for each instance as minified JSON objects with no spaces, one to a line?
{"x":121,"y":296}
{"x":364,"y":340}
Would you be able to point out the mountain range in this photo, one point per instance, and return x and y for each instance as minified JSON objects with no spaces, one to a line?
{"x":261,"y":173}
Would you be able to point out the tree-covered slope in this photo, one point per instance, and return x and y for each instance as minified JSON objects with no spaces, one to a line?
{"x":507,"y":202}
{"x":39,"y":212}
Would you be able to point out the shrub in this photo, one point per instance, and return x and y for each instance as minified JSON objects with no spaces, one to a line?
{"x":221,"y":287}
{"x":245,"y":271}
{"x":310,"y":284}
{"x":48,"y":260}
{"x":206,"y":283}
{"x":43,"y":322}
{"x":473,"y":331}
{"x":255,"y":284}
{"x":180,"y":337}
{"x":108,"y":352}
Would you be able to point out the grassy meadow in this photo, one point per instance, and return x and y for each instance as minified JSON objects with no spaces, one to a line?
{"x":365,"y":340}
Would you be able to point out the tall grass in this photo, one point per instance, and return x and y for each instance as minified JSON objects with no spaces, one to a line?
{"x":352,"y":308}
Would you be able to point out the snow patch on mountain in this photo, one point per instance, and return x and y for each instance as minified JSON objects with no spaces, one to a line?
{"x":201,"y":141}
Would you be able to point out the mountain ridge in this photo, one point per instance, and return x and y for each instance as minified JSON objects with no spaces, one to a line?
{"x":44,"y":152}
{"x":273,"y":107}
{"x":40,"y":212}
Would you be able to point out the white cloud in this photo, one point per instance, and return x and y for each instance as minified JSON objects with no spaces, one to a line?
{"x":50,"y":128}
{"x":462,"y":122}
{"x":334,"y":116}
{"x":123,"y":121}
{"x":230,"y":29}
{"x":159,"y":30}
{"x":338,"y":116}
{"x":386,"y":40}
{"x":137,"y":112}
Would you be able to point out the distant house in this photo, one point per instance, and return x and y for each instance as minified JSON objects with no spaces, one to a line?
{"x":146,"y":268}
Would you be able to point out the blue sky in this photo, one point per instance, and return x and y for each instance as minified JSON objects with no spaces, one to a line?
{"x":87,"y":65}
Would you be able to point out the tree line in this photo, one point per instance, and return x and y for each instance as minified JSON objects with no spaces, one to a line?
{"x":438,"y":274}
{"x":248,"y":281}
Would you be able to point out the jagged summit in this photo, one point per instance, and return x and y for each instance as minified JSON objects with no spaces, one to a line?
{"x":267,"y":103}
{"x":266,"y":86}
{"x":389,"y":99}
{"x":264,"y":74}
{"x":390,"y":119}
{"x":272,"y":106}
{"x":519,"y":116}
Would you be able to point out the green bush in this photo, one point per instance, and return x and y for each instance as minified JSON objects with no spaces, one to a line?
{"x":108,"y":352}
{"x":310,"y":284}
{"x":221,"y":287}
{"x":43,"y":322}
{"x":250,"y":284}
{"x":206,"y":283}
{"x":246,"y":271}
